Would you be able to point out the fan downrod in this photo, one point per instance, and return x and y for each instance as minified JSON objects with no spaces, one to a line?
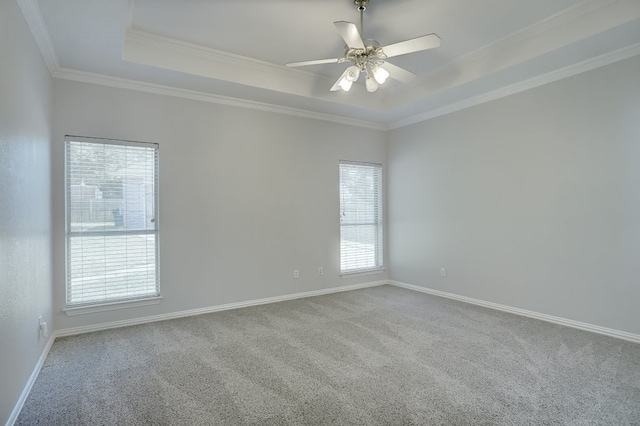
{"x":361,"y":5}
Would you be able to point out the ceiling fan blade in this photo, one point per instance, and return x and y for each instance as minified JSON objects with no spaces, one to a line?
{"x":398,"y":73}
{"x":314,"y":62}
{"x":414,"y":45}
{"x":350,"y":34}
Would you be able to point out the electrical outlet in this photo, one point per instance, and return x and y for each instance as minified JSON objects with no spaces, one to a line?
{"x":296,"y":274}
{"x":42,"y":327}
{"x":320,"y":271}
{"x":443,"y":272}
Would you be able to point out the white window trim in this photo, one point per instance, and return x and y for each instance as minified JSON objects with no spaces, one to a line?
{"x":88,"y":308}
{"x":382,"y":267}
{"x":111,"y":306}
{"x":363,"y":272}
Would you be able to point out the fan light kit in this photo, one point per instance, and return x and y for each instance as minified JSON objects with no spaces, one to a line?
{"x":368,"y":57}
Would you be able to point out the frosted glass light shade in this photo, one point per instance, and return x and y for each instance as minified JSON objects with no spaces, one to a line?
{"x":372,"y":84}
{"x":380,"y":74}
{"x":353,"y":73}
{"x":345,"y":84}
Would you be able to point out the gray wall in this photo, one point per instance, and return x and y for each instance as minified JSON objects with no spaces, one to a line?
{"x":25,"y":200}
{"x":245,"y":196}
{"x":532,"y":201}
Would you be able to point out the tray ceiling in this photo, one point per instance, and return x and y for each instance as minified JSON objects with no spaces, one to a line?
{"x":235,"y":51}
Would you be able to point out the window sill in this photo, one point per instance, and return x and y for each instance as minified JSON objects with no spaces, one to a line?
{"x":112,"y":306}
{"x":362,"y":272}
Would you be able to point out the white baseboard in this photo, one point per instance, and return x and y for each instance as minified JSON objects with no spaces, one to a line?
{"x":32,"y":379}
{"x":210,"y":309}
{"x":544,"y":317}
{"x":86,"y":329}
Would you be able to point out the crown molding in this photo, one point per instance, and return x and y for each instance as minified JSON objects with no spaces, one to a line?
{"x":141,"y":86}
{"x":122,"y":83}
{"x":560,"y":18}
{"x":176,"y":55}
{"x":585,"y":19}
{"x":559,"y":74}
{"x":35,"y":21}
{"x":144,"y":38}
{"x":31,"y":12}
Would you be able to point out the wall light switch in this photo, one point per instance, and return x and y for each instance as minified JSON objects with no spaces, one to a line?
{"x":296,"y":274}
{"x":443,"y":272}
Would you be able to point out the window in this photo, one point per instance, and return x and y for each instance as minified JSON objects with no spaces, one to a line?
{"x":360,"y":217}
{"x":112,"y":221}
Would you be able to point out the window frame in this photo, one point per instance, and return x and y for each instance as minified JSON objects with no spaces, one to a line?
{"x":380,"y":223}
{"x":72,"y":309}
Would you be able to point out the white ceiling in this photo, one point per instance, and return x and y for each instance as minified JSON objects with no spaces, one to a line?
{"x":234,"y":51}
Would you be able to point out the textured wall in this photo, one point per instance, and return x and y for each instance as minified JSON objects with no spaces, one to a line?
{"x":245,"y":196}
{"x":530,"y":201}
{"x":25,"y":206}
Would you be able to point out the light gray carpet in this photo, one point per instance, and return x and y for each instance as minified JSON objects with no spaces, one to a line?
{"x":382,"y":355}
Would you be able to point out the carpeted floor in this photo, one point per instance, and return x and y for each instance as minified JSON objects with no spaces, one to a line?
{"x":382,"y":355}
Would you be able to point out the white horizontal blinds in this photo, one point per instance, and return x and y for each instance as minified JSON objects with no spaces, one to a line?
{"x":360,"y":216}
{"x":112,"y":227}
{"x":106,"y":268}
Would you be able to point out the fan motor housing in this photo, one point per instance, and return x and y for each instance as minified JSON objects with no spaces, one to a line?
{"x":371,"y":55}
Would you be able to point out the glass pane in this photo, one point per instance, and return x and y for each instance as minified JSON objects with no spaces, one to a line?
{"x":358,"y":246}
{"x":360,"y":217}
{"x":106,"y":268}
{"x":110,"y":187}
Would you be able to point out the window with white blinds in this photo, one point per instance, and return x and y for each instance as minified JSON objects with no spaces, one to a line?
{"x":361,"y":227}
{"x":112,"y":221}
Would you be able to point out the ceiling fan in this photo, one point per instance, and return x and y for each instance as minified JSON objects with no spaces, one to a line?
{"x":367,"y":56}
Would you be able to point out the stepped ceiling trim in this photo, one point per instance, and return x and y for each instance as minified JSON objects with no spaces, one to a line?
{"x":582,"y":20}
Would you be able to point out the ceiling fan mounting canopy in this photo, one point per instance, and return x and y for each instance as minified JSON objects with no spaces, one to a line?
{"x":361,"y":5}
{"x":369,"y":57}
